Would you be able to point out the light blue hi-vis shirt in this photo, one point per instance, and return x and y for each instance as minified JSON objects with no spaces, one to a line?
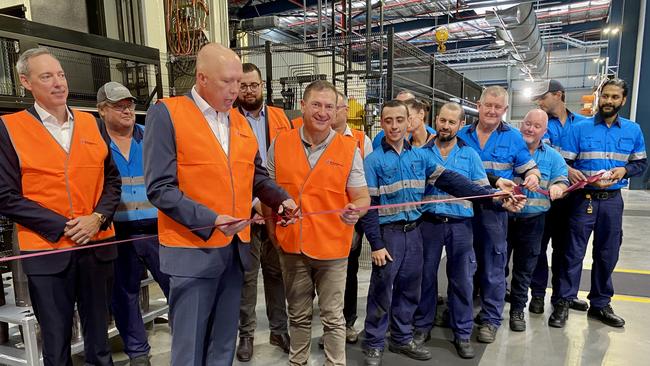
{"x":555,"y":132}
{"x":399,"y":178}
{"x":593,"y":146}
{"x":134,"y":205}
{"x":554,"y":170}
{"x":505,"y":152}
{"x":464,"y":160}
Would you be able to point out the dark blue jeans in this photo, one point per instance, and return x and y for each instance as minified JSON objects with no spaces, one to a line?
{"x":395,"y":289}
{"x":456,"y":236}
{"x":132,"y":260}
{"x":524,"y":241}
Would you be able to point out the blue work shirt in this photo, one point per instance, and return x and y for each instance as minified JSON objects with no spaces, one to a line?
{"x":504,"y":153}
{"x":463,"y":160}
{"x":376,"y":142}
{"x":259,"y":128}
{"x":399,"y":178}
{"x":134,"y":205}
{"x":556,"y":132}
{"x":591,"y":146}
{"x":554,"y":170}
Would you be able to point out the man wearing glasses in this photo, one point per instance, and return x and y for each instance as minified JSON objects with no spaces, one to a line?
{"x":136,"y":219}
{"x":267,"y":122}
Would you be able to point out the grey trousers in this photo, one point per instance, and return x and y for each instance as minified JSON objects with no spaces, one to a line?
{"x":264,"y":253}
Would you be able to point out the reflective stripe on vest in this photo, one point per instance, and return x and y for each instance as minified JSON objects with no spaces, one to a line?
{"x":207,"y":175}
{"x":321,"y":188}
{"x":69,"y":184}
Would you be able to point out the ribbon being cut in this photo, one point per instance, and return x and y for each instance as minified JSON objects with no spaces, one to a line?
{"x":518,"y":192}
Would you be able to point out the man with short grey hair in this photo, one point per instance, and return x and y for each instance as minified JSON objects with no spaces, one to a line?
{"x":62,"y":189}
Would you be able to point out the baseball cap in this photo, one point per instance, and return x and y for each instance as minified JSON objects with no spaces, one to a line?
{"x":113,"y":92}
{"x":544,"y":87}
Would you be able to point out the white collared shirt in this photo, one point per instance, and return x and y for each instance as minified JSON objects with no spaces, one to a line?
{"x":218,"y":121}
{"x":62,"y":133}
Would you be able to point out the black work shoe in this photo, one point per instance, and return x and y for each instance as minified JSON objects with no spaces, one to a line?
{"x":517,"y":321}
{"x":487,"y":333}
{"x":245,"y":349}
{"x":420,"y":337}
{"x":373,"y":356}
{"x":536,"y":305}
{"x":607,"y":316}
{"x":464,"y":348}
{"x":351,"y":335}
{"x":281,"y":340}
{"x":580,"y":305}
{"x":411,"y":350}
{"x":140,"y":361}
{"x":443,"y":319}
{"x":560,"y":314}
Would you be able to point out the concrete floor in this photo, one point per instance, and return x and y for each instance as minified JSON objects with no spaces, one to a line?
{"x":581,"y":342}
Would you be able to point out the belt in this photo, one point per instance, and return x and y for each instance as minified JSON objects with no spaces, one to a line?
{"x":439,"y":218}
{"x":403,"y":226}
{"x":601,"y":195}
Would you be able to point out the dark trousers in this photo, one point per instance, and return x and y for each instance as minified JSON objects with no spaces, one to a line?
{"x":456,"y":236}
{"x":606,"y":223}
{"x":524,"y":242}
{"x":351,"y":280}
{"x":263,"y":252}
{"x":85,"y":282}
{"x":132,"y":260}
{"x":490,"y":226}
{"x":395,"y":289}
{"x":556,"y":230}
{"x":204,"y":312}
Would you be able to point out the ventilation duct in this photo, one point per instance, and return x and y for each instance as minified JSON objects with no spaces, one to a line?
{"x":517,"y":27}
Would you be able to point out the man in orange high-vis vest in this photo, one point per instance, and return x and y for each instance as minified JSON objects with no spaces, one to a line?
{"x":202,"y":168}
{"x":59,"y":184}
{"x":266,"y":122}
{"x":323,"y":170}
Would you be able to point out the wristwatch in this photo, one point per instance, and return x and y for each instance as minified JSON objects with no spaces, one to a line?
{"x":102,"y":218}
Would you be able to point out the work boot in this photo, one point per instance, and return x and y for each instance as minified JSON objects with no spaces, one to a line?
{"x":560,"y":314}
{"x":373,"y":357}
{"x":421,"y":337}
{"x":607,"y":316}
{"x":140,"y":361}
{"x":464,"y":348}
{"x":411,"y":350}
{"x":245,"y":349}
{"x":536,"y":305}
{"x":580,"y":305}
{"x":487,"y":333}
{"x":517,"y":321}
{"x":281,"y":340}
{"x":351,"y":335}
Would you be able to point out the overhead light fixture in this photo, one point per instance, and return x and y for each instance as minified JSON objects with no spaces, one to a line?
{"x":528,"y":92}
{"x":596,"y":60}
{"x":500,"y":42}
{"x":616,"y":30}
{"x":606,"y":30}
{"x":601,"y":60}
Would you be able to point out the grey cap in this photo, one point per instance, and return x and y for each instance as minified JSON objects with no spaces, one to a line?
{"x":113,"y":92}
{"x":544,"y":87}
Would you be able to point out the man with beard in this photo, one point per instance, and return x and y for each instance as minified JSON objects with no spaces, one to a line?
{"x":612,"y":143}
{"x":267,"y":122}
{"x":504,"y":154}
{"x":550,"y":97}
{"x":526,"y":228}
{"x":449,"y":225}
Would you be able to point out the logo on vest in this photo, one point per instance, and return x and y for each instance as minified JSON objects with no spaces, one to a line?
{"x":89,"y":142}
{"x":335,"y":163}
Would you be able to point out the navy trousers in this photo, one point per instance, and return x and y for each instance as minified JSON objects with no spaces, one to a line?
{"x":132,"y":260}
{"x":524,"y":242}
{"x":490,"y":226}
{"x":204,"y":312}
{"x":556,"y":230}
{"x":606,"y":223}
{"x":84,"y":281}
{"x":456,"y":236}
{"x":351,"y":280}
{"x":395,"y":289}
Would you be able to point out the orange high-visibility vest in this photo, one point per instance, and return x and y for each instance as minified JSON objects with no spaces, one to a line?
{"x":321,"y":188}
{"x":223,"y":183}
{"x":360,"y":137}
{"x":278,"y":122}
{"x":68,"y":183}
{"x":297,"y":122}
